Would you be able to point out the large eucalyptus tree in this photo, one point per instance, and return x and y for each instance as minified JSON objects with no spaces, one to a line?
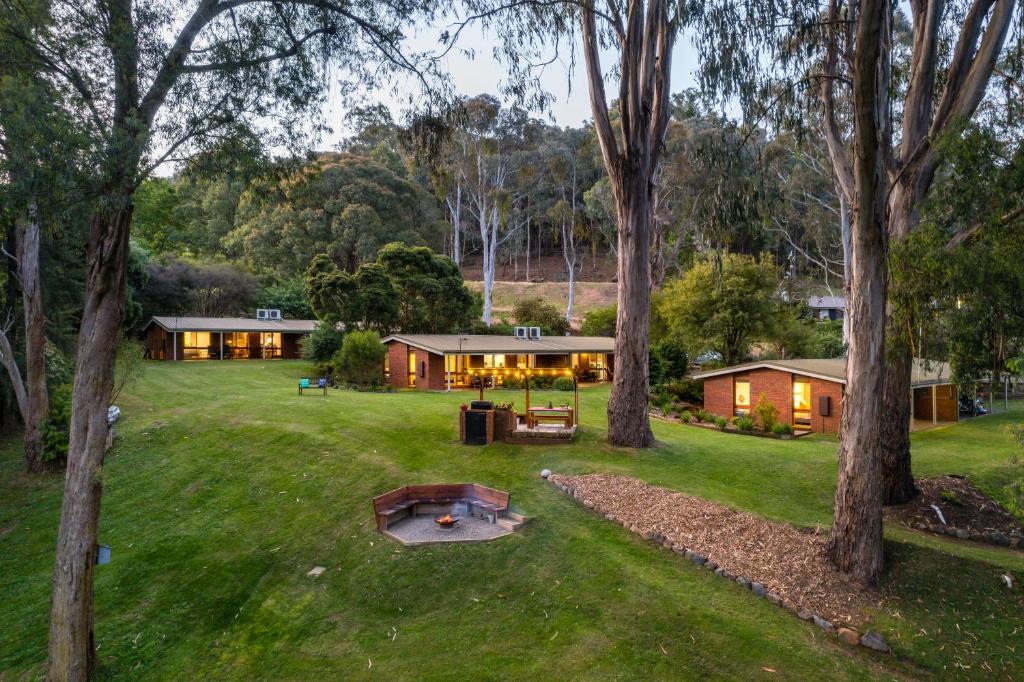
{"x":153,"y":82}
{"x":953,"y":51}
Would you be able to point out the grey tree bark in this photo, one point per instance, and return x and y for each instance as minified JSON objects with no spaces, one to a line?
{"x":856,"y":539}
{"x":38,"y":400}
{"x":645,"y":37}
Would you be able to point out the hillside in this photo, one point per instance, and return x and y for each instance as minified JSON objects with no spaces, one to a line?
{"x":589,"y":295}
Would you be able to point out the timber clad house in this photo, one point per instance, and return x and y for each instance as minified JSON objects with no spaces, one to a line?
{"x":225,"y":338}
{"x":808,"y":394}
{"x":440,"y":361}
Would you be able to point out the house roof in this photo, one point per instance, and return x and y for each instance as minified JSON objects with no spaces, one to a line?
{"x":231,"y":324}
{"x":924,"y":373}
{"x":819,"y":302}
{"x":465,"y":344}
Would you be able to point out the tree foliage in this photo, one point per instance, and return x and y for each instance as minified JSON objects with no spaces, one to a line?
{"x":723,"y":305}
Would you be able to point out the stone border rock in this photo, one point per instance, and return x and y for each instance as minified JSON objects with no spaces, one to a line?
{"x":870,"y":639}
{"x":997,"y":538}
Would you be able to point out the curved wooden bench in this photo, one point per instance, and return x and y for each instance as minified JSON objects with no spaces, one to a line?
{"x":396,"y":504}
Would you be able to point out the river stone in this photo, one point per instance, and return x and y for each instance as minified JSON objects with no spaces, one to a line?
{"x":822,"y":623}
{"x":805,"y":615}
{"x":743,"y":582}
{"x":711,"y":566}
{"x":545,"y":473}
{"x":962,"y":533}
{"x":849,"y":636}
{"x":873,"y":640}
{"x":758,"y":589}
{"x":316,"y":572}
{"x":774,"y":598}
{"x":719,"y":571}
{"x":1001,"y":539}
{"x":698,"y":559}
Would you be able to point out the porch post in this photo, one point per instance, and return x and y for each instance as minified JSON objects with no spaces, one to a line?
{"x":222,"y":345}
{"x":911,"y":407}
{"x":935,"y":406}
{"x":174,"y":341}
{"x":448,"y":373}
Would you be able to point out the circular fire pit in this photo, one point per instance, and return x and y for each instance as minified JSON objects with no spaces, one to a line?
{"x":446,"y":522}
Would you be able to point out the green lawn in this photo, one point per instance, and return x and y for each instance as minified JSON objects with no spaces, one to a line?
{"x":225,"y":488}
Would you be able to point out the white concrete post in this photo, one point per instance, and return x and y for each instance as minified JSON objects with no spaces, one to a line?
{"x":222,"y":345}
{"x":935,"y":405}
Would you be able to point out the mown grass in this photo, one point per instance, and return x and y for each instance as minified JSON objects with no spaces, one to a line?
{"x":225,"y":488}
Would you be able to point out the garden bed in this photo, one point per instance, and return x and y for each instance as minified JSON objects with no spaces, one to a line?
{"x":780,"y":562}
{"x":967,"y":513}
{"x":656,"y":413}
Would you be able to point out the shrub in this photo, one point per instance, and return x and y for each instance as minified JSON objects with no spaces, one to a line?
{"x":702,"y":415}
{"x":541,"y":381}
{"x":510,"y":381}
{"x":655,"y":369}
{"x":686,"y":390}
{"x":721,"y":422}
{"x":56,"y":429}
{"x":766,"y":413}
{"x":744,"y":423}
{"x":599,"y":322}
{"x":685,"y":416}
{"x":673,"y":357}
{"x":536,"y":312}
{"x":504,"y":406}
{"x":361,"y":358}
{"x":563,"y":384}
{"x":321,"y":344}
{"x":951,"y":497}
{"x":782,"y":429}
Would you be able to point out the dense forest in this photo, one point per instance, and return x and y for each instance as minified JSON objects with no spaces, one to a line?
{"x":495,"y":187}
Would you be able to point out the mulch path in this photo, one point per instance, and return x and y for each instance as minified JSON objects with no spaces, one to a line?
{"x":788,"y":561}
{"x":963,"y":506}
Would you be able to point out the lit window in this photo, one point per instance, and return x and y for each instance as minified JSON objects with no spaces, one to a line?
{"x":742,"y":394}
{"x":801,"y":395}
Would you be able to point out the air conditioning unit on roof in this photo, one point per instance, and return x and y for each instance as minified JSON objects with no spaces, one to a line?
{"x":522,"y":333}
{"x":262,"y":314}
{"x":534,"y":333}
{"x":274,"y":314}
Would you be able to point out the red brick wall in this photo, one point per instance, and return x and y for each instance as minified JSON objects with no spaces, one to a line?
{"x":718,"y":395}
{"x":290,"y":349}
{"x":434,"y":379}
{"x":777,"y":387}
{"x":398,"y":364}
{"x":833,"y":389}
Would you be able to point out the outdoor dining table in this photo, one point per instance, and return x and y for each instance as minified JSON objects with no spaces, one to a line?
{"x":557,"y":414}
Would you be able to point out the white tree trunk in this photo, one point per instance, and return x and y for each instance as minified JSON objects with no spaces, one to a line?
{"x":455,"y":211}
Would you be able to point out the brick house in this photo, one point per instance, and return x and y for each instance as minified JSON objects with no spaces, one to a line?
{"x":441,"y":361}
{"x":224,"y":338}
{"x":808,"y":394}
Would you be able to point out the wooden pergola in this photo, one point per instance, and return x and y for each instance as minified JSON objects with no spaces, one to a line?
{"x":525,"y":374}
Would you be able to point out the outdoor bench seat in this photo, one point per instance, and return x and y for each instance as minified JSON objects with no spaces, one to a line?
{"x":393,"y":502}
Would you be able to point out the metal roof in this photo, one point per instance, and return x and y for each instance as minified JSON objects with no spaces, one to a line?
{"x":924,"y":373}
{"x":819,"y":302}
{"x":493,"y":343}
{"x":231,"y":324}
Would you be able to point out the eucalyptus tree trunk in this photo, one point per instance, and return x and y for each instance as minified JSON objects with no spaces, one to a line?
{"x":71,"y":648}
{"x":856,"y":540}
{"x":37,"y":397}
{"x":455,"y":211}
{"x":845,"y":233}
{"x":645,"y":35}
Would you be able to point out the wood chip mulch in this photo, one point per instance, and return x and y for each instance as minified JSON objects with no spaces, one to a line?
{"x":963,"y":507}
{"x":788,"y":561}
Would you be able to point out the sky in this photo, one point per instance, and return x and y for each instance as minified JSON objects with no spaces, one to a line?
{"x":482,"y":74}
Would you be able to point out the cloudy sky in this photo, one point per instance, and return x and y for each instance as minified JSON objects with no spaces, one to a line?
{"x":482,"y":74}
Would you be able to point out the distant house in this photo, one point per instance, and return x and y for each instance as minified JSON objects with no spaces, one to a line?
{"x":808,"y":394}
{"x":266,"y":337}
{"x":827,"y":307}
{"x":440,"y":361}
